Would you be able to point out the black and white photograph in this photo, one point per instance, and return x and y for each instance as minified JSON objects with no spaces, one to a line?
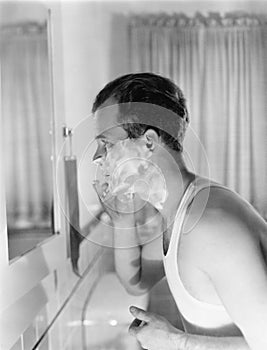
{"x":133,"y":175}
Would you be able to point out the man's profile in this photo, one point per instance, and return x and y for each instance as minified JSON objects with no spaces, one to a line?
{"x":213,"y":257}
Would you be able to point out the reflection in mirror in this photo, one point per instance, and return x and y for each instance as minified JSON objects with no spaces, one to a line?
{"x":26,"y":137}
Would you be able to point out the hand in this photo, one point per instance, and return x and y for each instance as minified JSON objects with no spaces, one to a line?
{"x":154,"y":332}
{"x":119,"y":211}
{"x":149,"y":224}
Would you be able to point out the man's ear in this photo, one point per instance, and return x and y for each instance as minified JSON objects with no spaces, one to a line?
{"x":152,"y":138}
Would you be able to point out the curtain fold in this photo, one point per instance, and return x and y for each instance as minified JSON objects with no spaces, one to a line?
{"x":26,"y":123}
{"x":220,"y":64}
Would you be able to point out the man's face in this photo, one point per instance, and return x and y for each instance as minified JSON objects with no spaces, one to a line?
{"x":108,"y":129}
{"x":129,"y":167}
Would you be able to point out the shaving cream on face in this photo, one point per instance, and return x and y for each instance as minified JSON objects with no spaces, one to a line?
{"x":127,"y":169}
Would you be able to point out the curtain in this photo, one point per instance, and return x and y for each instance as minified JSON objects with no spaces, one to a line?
{"x":25,"y":125}
{"x":220,"y":64}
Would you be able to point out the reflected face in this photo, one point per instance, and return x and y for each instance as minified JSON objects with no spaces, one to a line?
{"x":108,"y":129}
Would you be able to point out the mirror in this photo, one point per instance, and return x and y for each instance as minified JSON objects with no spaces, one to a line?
{"x":26,"y":124}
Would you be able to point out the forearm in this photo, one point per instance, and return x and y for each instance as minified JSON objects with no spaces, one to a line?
{"x":199,"y":342}
{"x":127,"y":256}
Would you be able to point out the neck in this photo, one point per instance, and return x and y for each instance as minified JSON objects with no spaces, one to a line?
{"x":177,"y":179}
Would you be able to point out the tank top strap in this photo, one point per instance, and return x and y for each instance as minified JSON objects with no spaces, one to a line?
{"x":198,"y":184}
{"x":193,"y":188}
{"x":190,"y":193}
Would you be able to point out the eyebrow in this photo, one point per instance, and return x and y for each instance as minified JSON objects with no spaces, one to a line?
{"x":100,"y":136}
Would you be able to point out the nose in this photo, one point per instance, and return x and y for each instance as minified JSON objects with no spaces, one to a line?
{"x":99,"y":154}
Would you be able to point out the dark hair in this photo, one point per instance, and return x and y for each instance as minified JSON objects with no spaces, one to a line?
{"x":151,"y":90}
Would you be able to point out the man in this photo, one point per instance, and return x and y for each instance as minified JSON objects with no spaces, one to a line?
{"x":213,"y":244}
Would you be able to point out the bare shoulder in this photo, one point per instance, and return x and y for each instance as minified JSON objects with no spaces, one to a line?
{"x":223,"y":224}
{"x":214,"y":209}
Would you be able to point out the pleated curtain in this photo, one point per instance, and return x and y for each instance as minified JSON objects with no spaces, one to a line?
{"x":220,"y":63}
{"x":26,"y":120}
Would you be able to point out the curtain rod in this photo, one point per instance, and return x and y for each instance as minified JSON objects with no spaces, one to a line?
{"x":237,"y":18}
{"x":24,"y":28}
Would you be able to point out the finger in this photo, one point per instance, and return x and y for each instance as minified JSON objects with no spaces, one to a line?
{"x":104,"y":186}
{"x":96,"y":187}
{"x":123,"y":205}
{"x":141,"y":314}
{"x":135,"y":326}
{"x":101,"y":190}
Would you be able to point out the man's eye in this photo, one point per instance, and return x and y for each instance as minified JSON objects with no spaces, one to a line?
{"x":107,"y":144}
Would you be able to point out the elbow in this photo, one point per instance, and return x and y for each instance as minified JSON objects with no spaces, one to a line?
{"x":137,"y":289}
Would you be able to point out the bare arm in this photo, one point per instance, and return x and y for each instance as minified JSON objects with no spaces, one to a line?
{"x":198,"y":342}
{"x":137,"y":248}
{"x":138,"y":254}
{"x":238,"y":273}
{"x":155,"y":332}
